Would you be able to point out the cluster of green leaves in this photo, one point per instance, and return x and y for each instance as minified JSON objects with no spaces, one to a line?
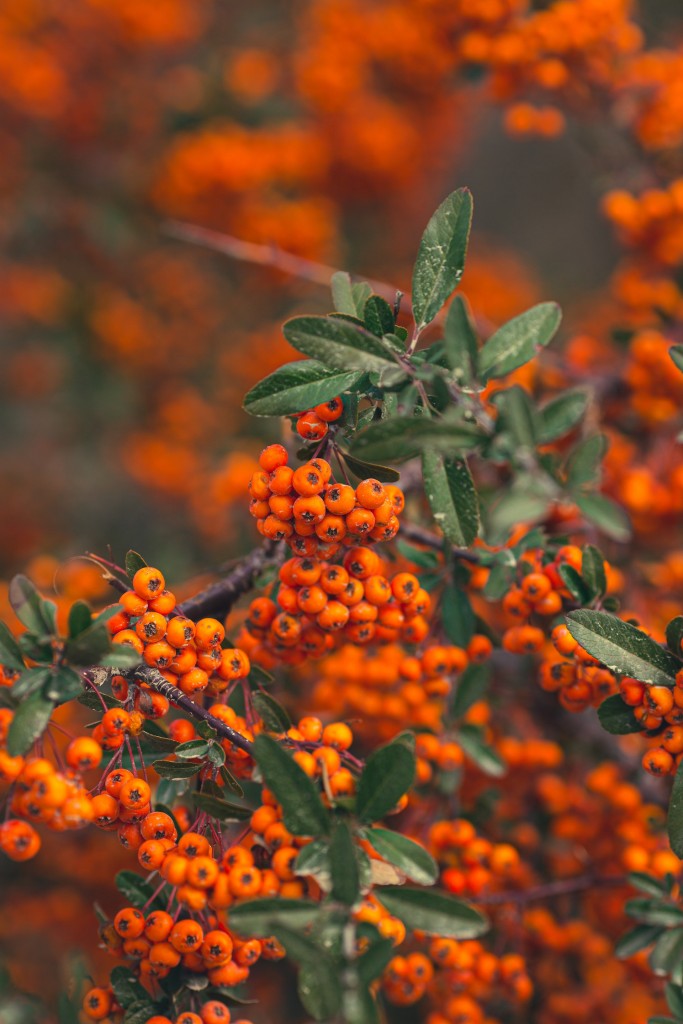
{"x":660,"y":926}
{"x":57,"y":661}
{"x":628,"y":651}
{"x":321,"y":936}
{"x":402,"y":402}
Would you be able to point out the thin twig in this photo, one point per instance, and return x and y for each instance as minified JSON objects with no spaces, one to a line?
{"x":219,"y":598}
{"x":272,"y":256}
{"x":412,"y":531}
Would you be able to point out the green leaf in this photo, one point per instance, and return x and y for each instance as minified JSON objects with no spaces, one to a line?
{"x":133,"y":888}
{"x":388,"y":774}
{"x":258,"y":917}
{"x":667,"y":953}
{"x":318,"y":985}
{"x":675,"y":815}
{"x":358,"y":1003}
{"x":344,"y":865}
{"x":674,"y":997}
{"x":517,"y":416}
{"x":192,"y":748}
{"x":274,"y":716}
{"x":621,"y":647}
{"x":655,"y":912}
{"x":517,"y":341}
{"x":410,"y":857}
{"x":314,"y":859}
{"x":29,"y":722}
{"x":338,"y":343}
{"x":348,"y":297}
{"x":575,"y":583}
{"x":10,"y":652}
{"x":452,"y":496}
{"x":616,"y":717}
{"x":378,"y":316}
{"x":441,"y":257}
{"x":432,"y":911}
{"x":127,"y":988}
{"x":606,"y":515}
{"x":89,"y":647}
{"x":38,"y":615}
{"x":363,"y":470}
{"x":121,"y":656}
{"x":485,"y":757}
{"x":460,"y":343}
{"x":133,"y":561}
{"x":648,"y":884}
{"x":80,"y":617}
{"x":676,"y":353}
{"x":674,"y":635}
{"x":470,"y":688}
{"x":526,"y":501}
{"x":423,"y":558}
{"x":372,"y":963}
{"x":457,"y":615}
{"x":593,"y":571}
{"x":584,"y":463}
{"x":30,"y":680}
{"x":64,"y":684}
{"x":402,"y":438}
{"x":642,"y":936}
{"x":296,"y":387}
{"x":175,"y":769}
{"x":302,"y":808}
{"x":557,"y":417}
{"x":222,"y":810}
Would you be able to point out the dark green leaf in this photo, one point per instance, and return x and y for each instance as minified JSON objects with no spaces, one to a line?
{"x":557,"y":417}
{"x":64,"y":684}
{"x":593,"y":571}
{"x":583,"y":465}
{"x":423,"y":558}
{"x":296,"y":387}
{"x":648,"y":884}
{"x":90,"y":646}
{"x":517,"y":416}
{"x":675,"y":816}
{"x":606,"y":515}
{"x":460,"y":343}
{"x":621,"y":647}
{"x":38,"y":615}
{"x":452,"y":496}
{"x":318,"y":985}
{"x":432,"y":911}
{"x":127,"y":988}
{"x":139,"y":1012}
{"x":617,"y":717}
{"x":575,"y":583}
{"x":175,"y":769}
{"x":338,"y":343}
{"x":303,"y":811}
{"x":349,"y":298}
{"x":411,"y":858}
{"x":667,"y":953}
{"x":193,"y":748}
{"x":80,"y":617}
{"x":133,"y":561}
{"x":10,"y":652}
{"x":676,"y":353}
{"x":517,"y":341}
{"x":441,"y":257}
{"x":655,"y":912}
{"x":314,"y":859}
{"x":344,"y":865}
{"x":388,"y":774}
{"x":674,"y":635}
{"x":133,"y":888}
{"x":274,"y":716}
{"x":358,"y":1003}
{"x":222,"y":810}
{"x":471,"y":740}
{"x":259,"y":916}
{"x":379,"y":316}
{"x":30,"y":680}
{"x":29,"y":722}
{"x":457,"y":615}
{"x":642,"y":936}
{"x":470,"y":688}
{"x":230,"y":781}
{"x":402,"y":438}
{"x":674,"y":997}
{"x":372,"y":963}
{"x":363,"y":470}
{"x":121,"y":656}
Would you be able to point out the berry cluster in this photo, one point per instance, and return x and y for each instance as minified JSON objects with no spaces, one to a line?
{"x":187,"y":654}
{"x":314,"y":514}
{"x":318,"y":600}
{"x":312,"y":424}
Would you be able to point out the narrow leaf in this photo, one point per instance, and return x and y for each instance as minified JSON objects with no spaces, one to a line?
{"x":338,"y":343}
{"x":303,"y":811}
{"x":441,"y":257}
{"x":452,"y":496}
{"x":296,"y":387}
{"x":622,"y":647}
{"x":413,"y":860}
{"x":432,"y":911}
{"x":517,"y":341}
{"x":388,"y":774}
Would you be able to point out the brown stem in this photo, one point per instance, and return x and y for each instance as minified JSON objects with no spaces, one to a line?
{"x":219,"y":598}
{"x":412,"y":531}
{"x":544,"y":892}
{"x":156,"y":682}
{"x":271,"y":256}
